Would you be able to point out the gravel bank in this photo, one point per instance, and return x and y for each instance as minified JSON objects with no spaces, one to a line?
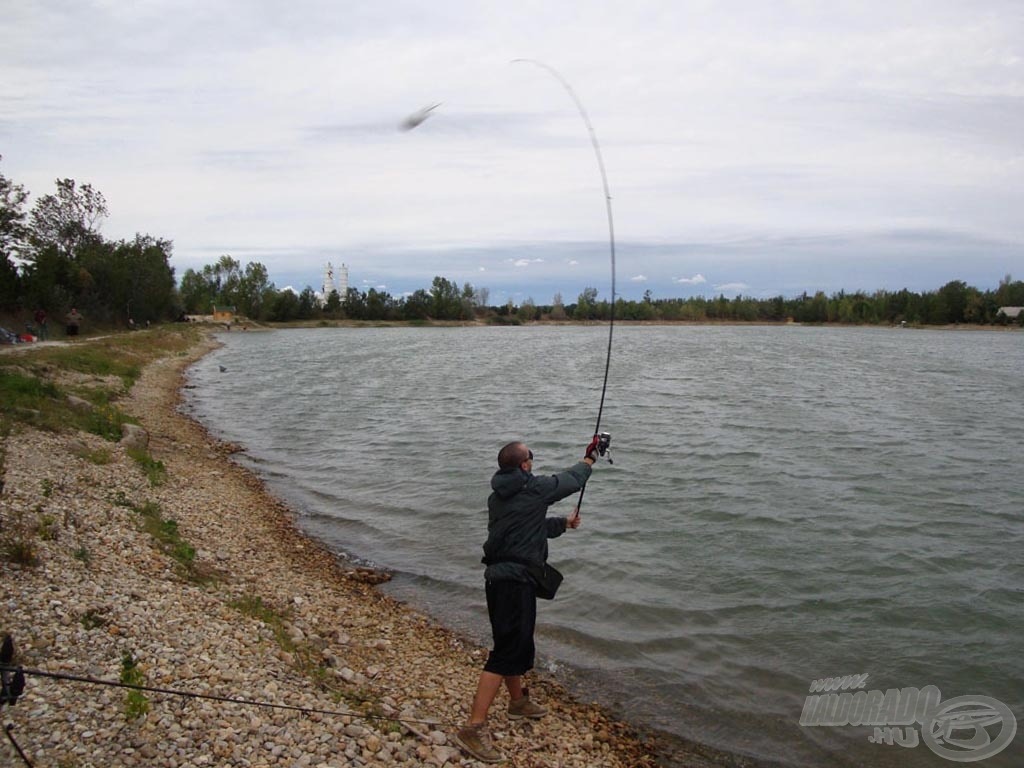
{"x":260,"y":613}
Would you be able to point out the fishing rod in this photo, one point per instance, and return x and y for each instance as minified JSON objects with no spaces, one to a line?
{"x":13,"y":677}
{"x":604,"y":438}
{"x":87,"y":680}
{"x":24,"y":672}
{"x":417,"y":118}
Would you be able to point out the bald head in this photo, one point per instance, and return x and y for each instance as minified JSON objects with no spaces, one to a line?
{"x":512,"y":455}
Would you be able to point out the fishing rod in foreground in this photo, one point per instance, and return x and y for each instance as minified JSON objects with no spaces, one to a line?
{"x":604,"y":438}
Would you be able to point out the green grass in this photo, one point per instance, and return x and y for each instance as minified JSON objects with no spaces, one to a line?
{"x":165,"y":534}
{"x":100,"y":457}
{"x":47,"y":528}
{"x":307,"y":658}
{"x":135,"y":703}
{"x":29,"y":394}
{"x":22,"y":395}
{"x":42,"y":404}
{"x":105,"y":421}
{"x":92,"y":359}
{"x":154,"y":469}
{"x":254,"y":607}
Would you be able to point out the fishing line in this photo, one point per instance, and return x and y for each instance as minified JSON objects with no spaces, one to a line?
{"x":611,"y":228}
{"x":214,"y":697}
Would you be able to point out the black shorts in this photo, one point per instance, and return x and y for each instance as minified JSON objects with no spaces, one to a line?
{"x":512,"y":608}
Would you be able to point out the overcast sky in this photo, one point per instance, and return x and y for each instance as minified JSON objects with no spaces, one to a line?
{"x":751,"y":147}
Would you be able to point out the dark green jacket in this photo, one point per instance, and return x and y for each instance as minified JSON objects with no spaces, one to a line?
{"x":517,"y":524}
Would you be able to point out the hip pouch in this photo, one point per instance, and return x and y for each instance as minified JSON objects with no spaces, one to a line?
{"x":546,"y":578}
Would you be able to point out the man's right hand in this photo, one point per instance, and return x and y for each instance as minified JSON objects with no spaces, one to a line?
{"x":593,"y":450}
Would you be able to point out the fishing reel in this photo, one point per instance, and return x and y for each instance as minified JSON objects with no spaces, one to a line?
{"x":12,"y":679}
{"x":604,"y":445}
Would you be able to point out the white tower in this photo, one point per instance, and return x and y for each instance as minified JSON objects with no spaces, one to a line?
{"x":334,"y":282}
{"x":328,"y":281}
{"x":343,"y":281}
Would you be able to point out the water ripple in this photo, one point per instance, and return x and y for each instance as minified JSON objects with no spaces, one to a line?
{"x":786,"y":503}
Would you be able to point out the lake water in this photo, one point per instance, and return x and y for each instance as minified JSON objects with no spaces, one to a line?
{"x":786,"y":504}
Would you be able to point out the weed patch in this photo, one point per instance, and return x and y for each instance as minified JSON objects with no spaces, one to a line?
{"x":17,"y":540}
{"x":254,"y":607}
{"x":46,"y":528}
{"x":154,"y":469}
{"x":103,"y":420}
{"x":164,"y":532}
{"x":94,"y":618}
{"x":135,"y":703}
{"x":100,"y":457}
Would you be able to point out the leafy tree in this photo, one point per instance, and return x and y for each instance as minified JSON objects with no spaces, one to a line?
{"x":1010,"y":293}
{"x":69,"y":219}
{"x":557,"y":308}
{"x":586,"y":305}
{"x":354,"y":305}
{"x":226,"y":275}
{"x":528,"y":311}
{"x":197,"y":293}
{"x":379,"y":305}
{"x":332,"y":307}
{"x":468,"y":301}
{"x":418,"y":305}
{"x":285,"y":306}
{"x":12,"y":238}
{"x":148,"y":278}
{"x":952,"y":302}
{"x":446,"y":300}
{"x":253,"y":287}
{"x":307,"y":303}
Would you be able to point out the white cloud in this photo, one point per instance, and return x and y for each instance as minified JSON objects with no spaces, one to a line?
{"x":638,"y":279}
{"x":865,"y":122}
{"x":732,"y":288}
{"x":525,"y":262}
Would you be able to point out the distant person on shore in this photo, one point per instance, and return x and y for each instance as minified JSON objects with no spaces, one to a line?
{"x":72,"y":321}
{"x":517,"y":532}
{"x":41,"y":328}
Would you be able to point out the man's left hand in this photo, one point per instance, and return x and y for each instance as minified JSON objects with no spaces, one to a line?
{"x":573,"y":520}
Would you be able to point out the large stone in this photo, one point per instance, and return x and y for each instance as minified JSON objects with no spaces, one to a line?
{"x":135,"y":437}
{"x":79,"y":404}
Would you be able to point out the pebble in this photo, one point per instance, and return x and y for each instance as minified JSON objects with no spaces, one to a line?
{"x":82,"y":616}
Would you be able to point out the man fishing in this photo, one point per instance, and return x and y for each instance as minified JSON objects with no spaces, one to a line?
{"x":516,"y":553}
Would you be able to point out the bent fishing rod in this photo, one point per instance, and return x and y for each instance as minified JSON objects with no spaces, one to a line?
{"x":604,"y":437}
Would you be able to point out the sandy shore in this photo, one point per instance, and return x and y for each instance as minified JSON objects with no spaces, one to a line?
{"x":261,"y":613}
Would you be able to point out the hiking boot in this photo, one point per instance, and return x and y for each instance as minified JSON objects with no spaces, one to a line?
{"x":525,"y":708}
{"x":476,"y":741}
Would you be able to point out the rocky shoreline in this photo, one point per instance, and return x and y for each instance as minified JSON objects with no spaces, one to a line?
{"x":185,"y":574}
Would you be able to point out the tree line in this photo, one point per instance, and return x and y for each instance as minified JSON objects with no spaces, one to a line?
{"x":247,"y":290}
{"x":53,"y":257}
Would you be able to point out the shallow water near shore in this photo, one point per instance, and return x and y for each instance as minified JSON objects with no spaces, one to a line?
{"x":787,"y":504}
